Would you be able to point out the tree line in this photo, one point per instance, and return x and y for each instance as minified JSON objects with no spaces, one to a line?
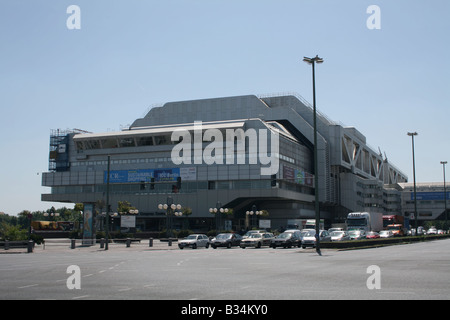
{"x":14,"y":227}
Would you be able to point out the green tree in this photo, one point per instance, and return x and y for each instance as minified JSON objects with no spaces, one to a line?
{"x":124,"y":207}
{"x":12,"y":233}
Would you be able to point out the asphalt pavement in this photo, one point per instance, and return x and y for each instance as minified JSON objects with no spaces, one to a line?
{"x":416,"y":271}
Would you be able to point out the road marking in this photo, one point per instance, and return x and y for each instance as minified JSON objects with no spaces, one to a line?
{"x":80,"y":297}
{"x":29,"y":286}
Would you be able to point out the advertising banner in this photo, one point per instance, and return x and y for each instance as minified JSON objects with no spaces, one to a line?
{"x":160,"y":175}
{"x":88,"y":232}
{"x":298,"y":176}
{"x":430,"y":196}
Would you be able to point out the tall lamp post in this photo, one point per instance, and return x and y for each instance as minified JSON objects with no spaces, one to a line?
{"x":218,"y":211}
{"x":445,"y":194}
{"x":108,"y":209}
{"x":312,"y":62}
{"x":170,"y":208}
{"x":412,"y":134}
{"x":253,"y":214}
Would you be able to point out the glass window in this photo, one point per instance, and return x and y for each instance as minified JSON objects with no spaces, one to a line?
{"x":159,"y":140}
{"x":109,"y":143}
{"x":145,"y":141}
{"x":127,"y":142}
{"x":92,"y":144}
{"x":80,"y":145}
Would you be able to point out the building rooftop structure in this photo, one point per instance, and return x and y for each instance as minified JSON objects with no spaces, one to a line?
{"x":352,"y":176}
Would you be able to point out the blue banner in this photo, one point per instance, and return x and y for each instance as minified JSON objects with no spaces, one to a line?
{"x":135,"y":176}
{"x":430,"y":196}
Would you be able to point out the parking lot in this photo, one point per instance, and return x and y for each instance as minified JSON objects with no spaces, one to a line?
{"x":405,"y":272}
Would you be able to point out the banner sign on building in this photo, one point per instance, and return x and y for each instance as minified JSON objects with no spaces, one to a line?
{"x":429,"y":196}
{"x":88,"y":232}
{"x":160,"y":175}
{"x":298,"y":176}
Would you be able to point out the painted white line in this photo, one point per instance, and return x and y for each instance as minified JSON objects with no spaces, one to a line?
{"x":29,"y":286}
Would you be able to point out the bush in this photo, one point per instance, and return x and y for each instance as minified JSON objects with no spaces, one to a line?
{"x":183,"y":233}
{"x":38,"y":239}
{"x":13,"y":233}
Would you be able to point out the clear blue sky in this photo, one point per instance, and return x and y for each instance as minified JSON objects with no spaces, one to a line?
{"x":129,"y":55}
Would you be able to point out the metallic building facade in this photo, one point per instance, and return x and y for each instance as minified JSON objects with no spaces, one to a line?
{"x":148,"y":166}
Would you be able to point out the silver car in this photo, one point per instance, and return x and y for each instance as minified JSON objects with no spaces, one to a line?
{"x":257,"y":240}
{"x":309,"y":239}
{"x":194,"y":241}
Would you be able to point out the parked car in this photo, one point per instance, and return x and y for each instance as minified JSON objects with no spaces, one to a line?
{"x":334,"y":229}
{"x":257,"y":240}
{"x":339,"y":236}
{"x":420,"y":231}
{"x":372,"y":235}
{"x":432,"y":230}
{"x":250,"y":232}
{"x":386,"y":234}
{"x":357,"y":234}
{"x":287,"y":240}
{"x":226,"y":240}
{"x":440,"y":231}
{"x":304,"y":232}
{"x":309,"y":239}
{"x":194,"y":241}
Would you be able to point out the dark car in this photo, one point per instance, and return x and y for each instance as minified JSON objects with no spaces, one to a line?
{"x":287,"y":240}
{"x":226,"y":240}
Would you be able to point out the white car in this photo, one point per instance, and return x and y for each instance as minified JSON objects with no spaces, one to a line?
{"x":386,"y":234}
{"x":339,"y":236}
{"x":194,"y":241}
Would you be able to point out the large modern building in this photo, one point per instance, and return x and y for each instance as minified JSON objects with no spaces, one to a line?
{"x":244,"y":153}
{"x":429,"y":199}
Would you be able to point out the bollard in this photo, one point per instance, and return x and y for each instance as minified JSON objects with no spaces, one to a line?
{"x":150,"y":242}
{"x":102,"y":243}
{"x":128,"y":242}
{"x":72,"y":243}
{"x":170,"y":242}
{"x":6,"y":244}
{"x":30,"y":246}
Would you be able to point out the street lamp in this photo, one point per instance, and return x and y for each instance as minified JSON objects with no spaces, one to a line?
{"x":312,"y":62}
{"x":253,"y":214}
{"x":53,"y":215}
{"x":412,"y":134}
{"x":445,"y":194}
{"x":170,"y":208}
{"x":107,"y":226}
{"x":218,"y":211}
